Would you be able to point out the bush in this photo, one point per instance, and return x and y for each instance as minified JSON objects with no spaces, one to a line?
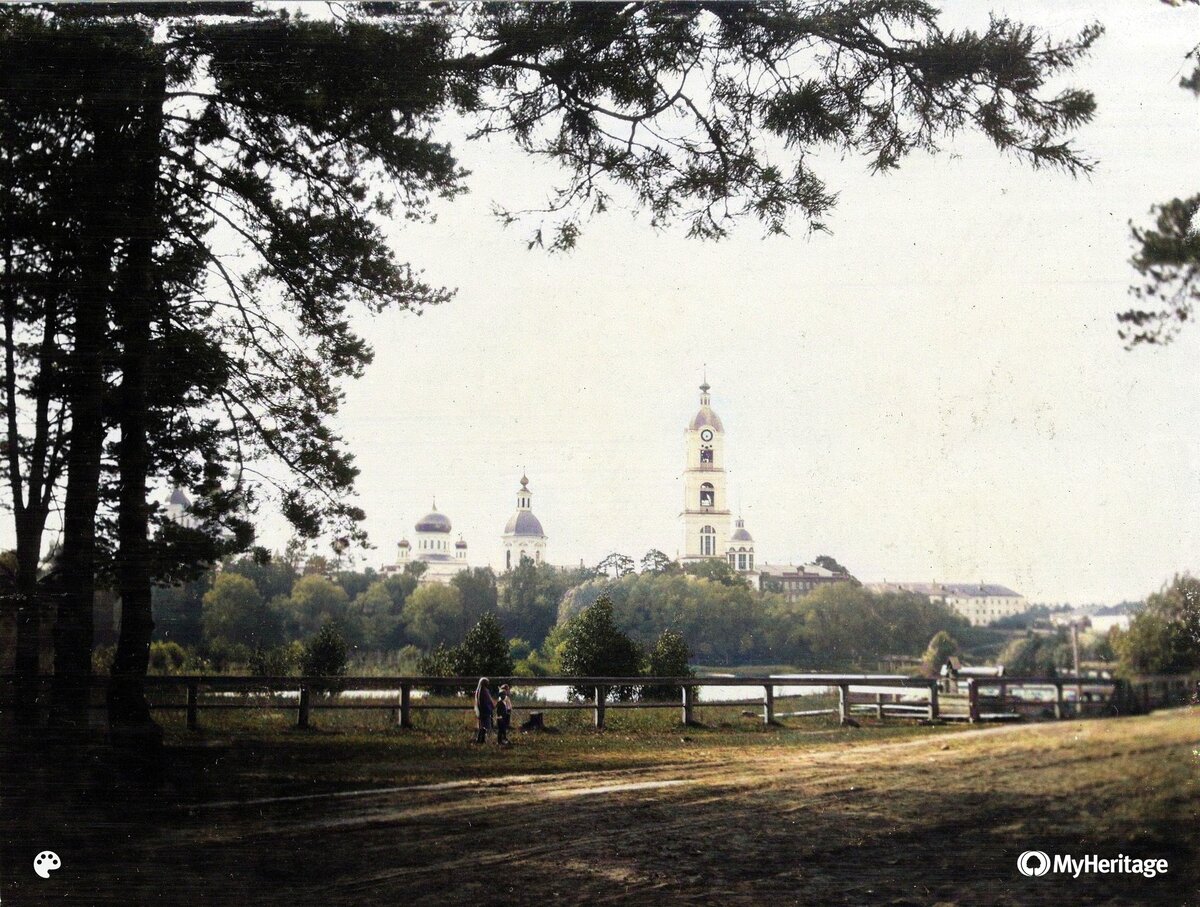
{"x":485,"y":651}
{"x":668,"y":658}
{"x":1037,"y":656}
{"x":167,"y":658}
{"x":326,"y":654}
{"x":595,"y":647}
{"x":280,"y":661}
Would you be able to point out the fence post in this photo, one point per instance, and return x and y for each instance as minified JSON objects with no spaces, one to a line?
{"x":193,"y":695}
{"x":769,"y":704}
{"x":878,"y":705}
{"x":302,"y":711}
{"x":601,"y":695}
{"x":689,"y":701}
{"x":405,"y":715}
{"x":972,"y":701}
{"x":843,"y":703}
{"x":1003,"y":706}
{"x":933,"y":700}
{"x":1059,"y":705}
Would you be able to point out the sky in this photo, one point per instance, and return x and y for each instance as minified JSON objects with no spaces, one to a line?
{"x":934,"y":390}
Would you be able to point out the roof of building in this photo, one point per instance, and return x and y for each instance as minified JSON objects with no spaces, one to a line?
{"x":808,"y":571}
{"x":460,"y":544}
{"x":434,"y":522}
{"x":404,"y":543}
{"x":740,"y":534}
{"x":523,"y":522}
{"x":706,"y":417}
{"x":959,"y":590}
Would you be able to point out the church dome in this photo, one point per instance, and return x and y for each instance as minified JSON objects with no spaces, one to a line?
{"x":433,"y":522}
{"x":741,"y":535}
{"x":523,"y":522}
{"x":404,"y":543}
{"x":706,"y":418}
{"x":460,"y":544}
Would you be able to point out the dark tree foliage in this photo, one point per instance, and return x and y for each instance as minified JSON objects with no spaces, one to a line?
{"x":708,"y":113}
{"x":615,"y":565}
{"x":717,"y":570}
{"x":657,"y":562}
{"x":830,"y":564}
{"x":595,"y":647}
{"x":668,"y":658}
{"x":529,"y":603}
{"x":326,"y":654}
{"x":1164,"y":637}
{"x":1167,"y":256}
{"x":484,"y":652}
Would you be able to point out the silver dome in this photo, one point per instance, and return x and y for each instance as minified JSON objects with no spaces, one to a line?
{"x":434,"y":522}
{"x":707,"y":418}
{"x":741,"y":535}
{"x":523,"y":522}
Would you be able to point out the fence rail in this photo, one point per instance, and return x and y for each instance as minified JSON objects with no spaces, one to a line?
{"x":880,"y":695}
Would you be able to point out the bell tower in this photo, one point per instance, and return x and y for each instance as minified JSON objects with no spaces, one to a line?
{"x":706,"y":515}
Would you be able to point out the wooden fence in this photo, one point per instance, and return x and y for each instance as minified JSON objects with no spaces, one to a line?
{"x":877,"y":695}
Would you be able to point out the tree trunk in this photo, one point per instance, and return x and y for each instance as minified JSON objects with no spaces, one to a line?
{"x":129,"y":715}
{"x":24,"y":588}
{"x":76,"y":585}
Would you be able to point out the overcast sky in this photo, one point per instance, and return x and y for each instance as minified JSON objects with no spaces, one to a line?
{"x":935,"y":390}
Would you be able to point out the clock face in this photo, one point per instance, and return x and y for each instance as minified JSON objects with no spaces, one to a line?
{"x":706,"y":435}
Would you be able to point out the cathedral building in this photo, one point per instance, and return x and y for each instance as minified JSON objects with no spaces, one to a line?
{"x":443,"y":559}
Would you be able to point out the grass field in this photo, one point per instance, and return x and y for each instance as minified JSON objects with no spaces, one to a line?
{"x":739,"y":814}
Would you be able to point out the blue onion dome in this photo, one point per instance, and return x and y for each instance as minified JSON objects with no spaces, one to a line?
{"x":460,"y":544}
{"x":434,"y":522}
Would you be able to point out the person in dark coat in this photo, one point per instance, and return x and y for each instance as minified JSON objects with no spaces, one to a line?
{"x":504,"y":712}
{"x":485,"y":707}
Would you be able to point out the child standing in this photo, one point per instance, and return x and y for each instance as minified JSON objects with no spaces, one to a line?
{"x":503,"y":715}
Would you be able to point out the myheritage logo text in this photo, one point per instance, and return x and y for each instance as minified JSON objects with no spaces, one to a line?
{"x":1039,"y":863}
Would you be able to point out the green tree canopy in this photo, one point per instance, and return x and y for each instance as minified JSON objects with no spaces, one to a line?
{"x":485,"y":651}
{"x":1164,"y":638}
{"x":668,"y":658}
{"x":315,"y":601}
{"x":235,"y":613}
{"x":593,"y":646}
{"x":434,"y":614}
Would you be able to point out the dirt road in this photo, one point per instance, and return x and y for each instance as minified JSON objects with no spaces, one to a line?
{"x":936,"y":820}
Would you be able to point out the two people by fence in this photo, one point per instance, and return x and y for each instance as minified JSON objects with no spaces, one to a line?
{"x":487,"y":708}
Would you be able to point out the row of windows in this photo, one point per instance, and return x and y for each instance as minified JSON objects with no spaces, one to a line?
{"x":741,"y":561}
{"x":508,"y":558}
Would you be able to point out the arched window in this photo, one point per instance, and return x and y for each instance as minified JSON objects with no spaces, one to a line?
{"x":741,"y":562}
{"x":706,"y":455}
{"x":732,"y":559}
{"x":538,"y":556}
{"x":708,"y":541}
{"x":508,"y":559}
{"x":708,"y":495}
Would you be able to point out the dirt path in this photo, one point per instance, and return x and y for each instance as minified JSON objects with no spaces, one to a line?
{"x":935,"y":820}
